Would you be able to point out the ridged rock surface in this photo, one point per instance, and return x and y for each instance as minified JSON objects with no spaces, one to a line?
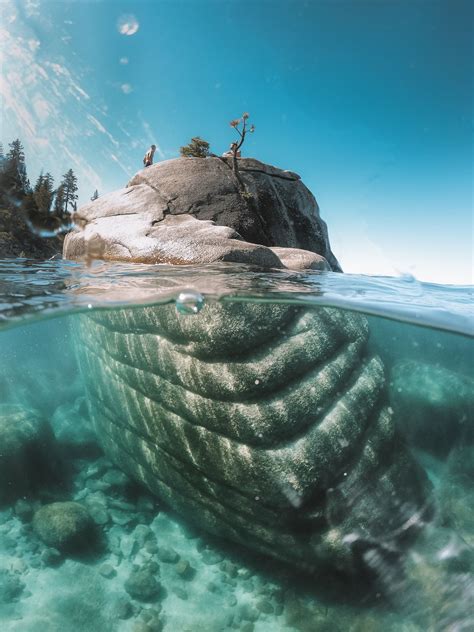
{"x":192,"y":210}
{"x":265,"y":424}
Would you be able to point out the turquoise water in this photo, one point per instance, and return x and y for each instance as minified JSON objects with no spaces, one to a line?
{"x":189,"y":579}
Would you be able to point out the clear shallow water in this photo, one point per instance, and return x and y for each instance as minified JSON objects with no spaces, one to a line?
{"x":428,"y":369}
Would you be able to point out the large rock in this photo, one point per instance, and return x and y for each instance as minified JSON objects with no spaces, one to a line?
{"x":153,"y":218}
{"x":264,"y":424}
{"x":66,"y":526}
{"x":28,"y":454}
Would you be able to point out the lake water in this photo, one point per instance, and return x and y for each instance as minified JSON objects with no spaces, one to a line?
{"x":116,"y":356}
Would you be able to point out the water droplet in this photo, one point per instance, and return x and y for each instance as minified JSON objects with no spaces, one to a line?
{"x":189,"y":302}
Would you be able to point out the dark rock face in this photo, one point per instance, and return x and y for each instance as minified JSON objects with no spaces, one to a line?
{"x":264,"y":424}
{"x":154,"y":218}
{"x":280,"y":212}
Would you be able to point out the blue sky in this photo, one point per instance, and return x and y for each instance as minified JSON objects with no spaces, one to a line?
{"x":369,"y":101}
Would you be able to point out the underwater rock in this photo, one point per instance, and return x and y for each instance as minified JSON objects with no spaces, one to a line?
{"x":142,"y":585}
{"x":162,"y":216}
{"x":11,"y":586}
{"x":265,"y":424}
{"x":27,"y":452}
{"x":66,"y":526}
{"x":424,"y":397}
{"x":72,"y":429}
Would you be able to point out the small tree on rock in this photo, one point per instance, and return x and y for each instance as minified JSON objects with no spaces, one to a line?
{"x":95,"y":196}
{"x":235,"y":148}
{"x":197,"y":148}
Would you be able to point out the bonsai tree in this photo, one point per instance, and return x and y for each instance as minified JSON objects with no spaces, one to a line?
{"x":197,"y":148}
{"x":240,"y":126}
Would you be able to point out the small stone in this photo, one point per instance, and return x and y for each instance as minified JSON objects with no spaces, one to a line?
{"x":180,"y":592}
{"x":97,"y":485}
{"x":142,"y":534}
{"x":211,"y":557}
{"x":123,"y":608}
{"x":129,"y":547}
{"x":11,"y":587}
{"x":51,"y":557}
{"x":115,"y":478}
{"x":246,"y":573}
{"x":145,"y":504}
{"x":248,"y":626}
{"x":212,"y":587}
{"x":248,"y":586}
{"x":248,"y":612}
{"x":141,"y":585}
{"x":264,"y":606}
{"x":140,"y":626}
{"x":232,"y":601}
{"x":229,"y":568}
{"x":99,"y":514}
{"x":151,"y":547}
{"x":107,"y":571}
{"x":120,"y":517}
{"x":184,"y":569}
{"x":167,"y":555}
{"x":155,"y":625}
{"x":278,"y":609}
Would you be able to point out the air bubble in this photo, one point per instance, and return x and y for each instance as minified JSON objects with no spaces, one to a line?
{"x":189,"y":302}
{"x":257,"y":382}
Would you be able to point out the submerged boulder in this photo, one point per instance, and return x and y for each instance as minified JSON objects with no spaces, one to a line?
{"x":192,"y":210}
{"x":28,"y":454}
{"x":433,"y":406}
{"x":66,"y":526}
{"x":264,"y":423}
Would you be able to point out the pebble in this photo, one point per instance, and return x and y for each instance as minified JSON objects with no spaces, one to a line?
{"x":167,"y":554}
{"x":211,"y":557}
{"x":128,"y":546}
{"x":151,"y":547}
{"x":248,"y":612}
{"x":115,"y":478}
{"x":248,"y":626}
{"x":107,"y":571}
{"x":120,"y":517}
{"x":141,"y":585}
{"x":180,"y":592}
{"x":51,"y":557}
{"x":232,"y":601}
{"x":145,"y":504}
{"x":184,"y":569}
{"x":264,"y":606}
{"x":123,"y":608}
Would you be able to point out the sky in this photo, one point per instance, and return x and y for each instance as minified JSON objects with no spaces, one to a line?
{"x":370,"y":101}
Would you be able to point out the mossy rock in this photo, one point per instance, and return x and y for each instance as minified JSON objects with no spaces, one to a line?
{"x":66,"y":526}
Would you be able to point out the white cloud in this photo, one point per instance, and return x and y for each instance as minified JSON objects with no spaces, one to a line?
{"x":126,"y":88}
{"x":123,"y":60}
{"x":128,"y":25}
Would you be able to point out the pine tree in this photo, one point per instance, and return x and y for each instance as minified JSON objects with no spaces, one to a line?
{"x":69,"y":185}
{"x":59,"y":202}
{"x":2,"y":154}
{"x":95,"y":196}
{"x":43,"y":193}
{"x":197,"y":148}
{"x":15,"y":169}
